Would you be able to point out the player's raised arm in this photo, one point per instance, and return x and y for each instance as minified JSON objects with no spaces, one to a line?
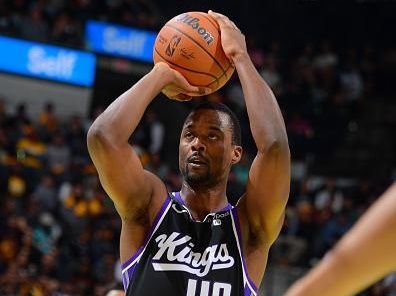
{"x":363,"y":256}
{"x":119,"y":168}
{"x":269,"y":177}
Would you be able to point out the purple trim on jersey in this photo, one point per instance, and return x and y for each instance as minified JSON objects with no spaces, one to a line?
{"x":124,"y":282}
{"x":181,"y":201}
{"x":128,"y":275}
{"x":159,"y":215}
{"x":247,"y":291}
{"x":130,"y":260}
{"x":179,"y":198}
{"x":238,"y":229}
{"x":227,"y":208}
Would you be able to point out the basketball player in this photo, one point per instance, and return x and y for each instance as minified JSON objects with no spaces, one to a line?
{"x":363,"y":256}
{"x":193,"y":242}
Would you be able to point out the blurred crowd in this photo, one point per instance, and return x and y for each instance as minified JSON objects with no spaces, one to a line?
{"x":62,"y":22}
{"x":59,"y":231}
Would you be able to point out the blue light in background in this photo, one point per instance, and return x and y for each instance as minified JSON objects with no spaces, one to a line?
{"x":120,"y":41}
{"x":47,"y":61}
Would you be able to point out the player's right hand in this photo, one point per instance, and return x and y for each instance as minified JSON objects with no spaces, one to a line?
{"x":177,"y":87}
{"x":232,"y":39}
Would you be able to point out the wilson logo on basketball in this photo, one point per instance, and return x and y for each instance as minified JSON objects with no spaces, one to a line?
{"x":170,"y":49}
{"x":193,"y":22}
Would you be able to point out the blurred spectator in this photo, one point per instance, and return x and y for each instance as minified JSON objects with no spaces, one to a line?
{"x":75,"y":132}
{"x":158,"y":166}
{"x":271,"y":75}
{"x":329,"y":196}
{"x":20,"y":117}
{"x":331,"y":231}
{"x":31,"y":154}
{"x":327,"y":58}
{"x":289,"y":249}
{"x":48,"y":121}
{"x":235,"y":96}
{"x":16,"y":183}
{"x":75,"y":210}
{"x":351,"y":82}
{"x":34,"y":25}
{"x":46,"y":194}
{"x":66,"y":30}
{"x":58,"y":155}
{"x":300,"y":133}
{"x":46,"y":233}
{"x":157,"y":132}
{"x":50,"y":267}
{"x":241,"y":170}
{"x":31,"y":149}
{"x":256,"y":53}
{"x":80,"y":208}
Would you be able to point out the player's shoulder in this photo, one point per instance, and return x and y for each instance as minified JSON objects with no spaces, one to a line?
{"x":144,"y":203}
{"x":153,"y":178}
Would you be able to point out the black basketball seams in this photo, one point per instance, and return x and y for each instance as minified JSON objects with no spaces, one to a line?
{"x":199,"y":45}
{"x":187,"y":69}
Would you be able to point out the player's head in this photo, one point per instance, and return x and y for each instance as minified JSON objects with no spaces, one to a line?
{"x":209,"y":144}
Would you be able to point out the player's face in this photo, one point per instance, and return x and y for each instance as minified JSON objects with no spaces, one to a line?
{"x":206,"y":152}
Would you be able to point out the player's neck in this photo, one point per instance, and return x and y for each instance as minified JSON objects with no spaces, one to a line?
{"x":201,"y":202}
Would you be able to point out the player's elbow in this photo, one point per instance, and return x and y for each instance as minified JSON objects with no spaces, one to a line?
{"x":97,"y":138}
{"x":94,"y":135}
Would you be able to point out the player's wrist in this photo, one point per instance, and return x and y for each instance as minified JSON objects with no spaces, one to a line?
{"x":162,"y":75}
{"x":239,"y":58}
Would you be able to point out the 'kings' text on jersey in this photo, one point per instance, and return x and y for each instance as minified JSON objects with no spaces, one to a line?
{"x":189,"y":258}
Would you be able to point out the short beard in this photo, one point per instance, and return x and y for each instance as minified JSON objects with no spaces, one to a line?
{"x":198,"y":181}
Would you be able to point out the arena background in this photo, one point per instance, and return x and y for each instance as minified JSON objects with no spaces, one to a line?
{"x":330,"y":63}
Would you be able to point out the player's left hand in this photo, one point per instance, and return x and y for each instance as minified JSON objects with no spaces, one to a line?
{"x":232,"y":39}
{"x":176,"y":85}
{"x":175,"y":93}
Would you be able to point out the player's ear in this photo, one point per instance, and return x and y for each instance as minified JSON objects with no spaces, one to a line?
{"x":236,"y":154}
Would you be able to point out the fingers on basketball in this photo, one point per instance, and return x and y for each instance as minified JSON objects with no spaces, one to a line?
{"x":223,"y":20}
{"x":191,"y":44}
{"x":177,"y":96}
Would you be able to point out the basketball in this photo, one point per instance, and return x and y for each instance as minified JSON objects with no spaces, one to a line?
{"x":190,"y":43}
